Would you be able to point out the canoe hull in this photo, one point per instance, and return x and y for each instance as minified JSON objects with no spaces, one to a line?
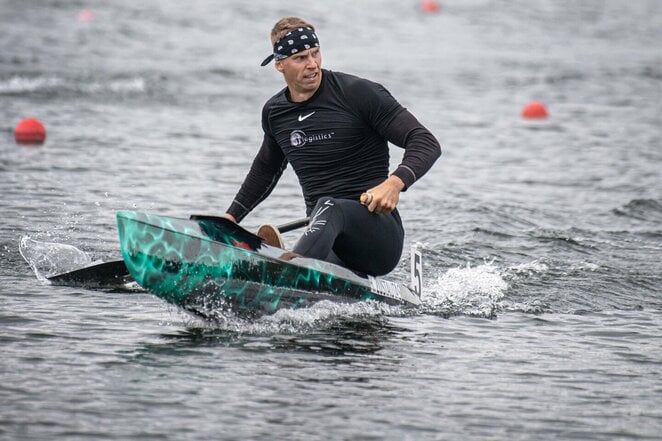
{"x":210,"y":263}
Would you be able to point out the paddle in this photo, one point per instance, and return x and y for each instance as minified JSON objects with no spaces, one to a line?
{"x":105,"y":274}
{"x":115,"y":273}
{"x":271,"y":234}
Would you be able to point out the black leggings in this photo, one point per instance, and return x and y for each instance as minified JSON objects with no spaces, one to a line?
{"x":344,"y":232}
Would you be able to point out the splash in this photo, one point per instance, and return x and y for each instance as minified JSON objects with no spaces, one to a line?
{"x":49,"y":258}
{"x":319,"y":317}
{"x":474,"y":291}
{"x":326,"y":312}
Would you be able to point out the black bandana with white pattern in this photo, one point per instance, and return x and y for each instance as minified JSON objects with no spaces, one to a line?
{"x":298,"y":40}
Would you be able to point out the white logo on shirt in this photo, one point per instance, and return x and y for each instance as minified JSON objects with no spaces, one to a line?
{"x":299,"y":138}
{"x":302,"y":117}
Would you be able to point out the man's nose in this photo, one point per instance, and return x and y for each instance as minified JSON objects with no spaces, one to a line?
{"x":311,"y":62}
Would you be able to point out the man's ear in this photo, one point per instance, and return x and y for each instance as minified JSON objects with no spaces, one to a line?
{"x":279,"y":66}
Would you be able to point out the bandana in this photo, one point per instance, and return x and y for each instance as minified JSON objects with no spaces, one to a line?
{"x":298,"y":40}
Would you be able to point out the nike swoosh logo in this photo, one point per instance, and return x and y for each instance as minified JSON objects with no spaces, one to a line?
{"x":301,"y":118}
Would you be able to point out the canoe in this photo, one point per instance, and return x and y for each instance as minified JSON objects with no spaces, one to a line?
{"x":205,"y":263}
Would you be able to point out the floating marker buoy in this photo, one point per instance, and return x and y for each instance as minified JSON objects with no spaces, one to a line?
{"x":430,"y":6}
{"x":534,"y":110}
{"x":30,"y":131}
{"x":87,"y":15}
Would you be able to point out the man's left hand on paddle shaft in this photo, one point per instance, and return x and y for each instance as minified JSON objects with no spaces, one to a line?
{"x":384,"y":197}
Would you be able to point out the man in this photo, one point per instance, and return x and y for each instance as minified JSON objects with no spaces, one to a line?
{"x":334,"y":128}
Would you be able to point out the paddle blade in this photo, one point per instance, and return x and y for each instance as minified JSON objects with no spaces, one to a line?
{"x":112,"y":273}
{"x":270,"y":235}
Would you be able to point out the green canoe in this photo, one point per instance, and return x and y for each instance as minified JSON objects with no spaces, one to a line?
{"x":205,"y":263}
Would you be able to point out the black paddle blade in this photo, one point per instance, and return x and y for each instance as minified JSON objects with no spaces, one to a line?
{"x":224,"y":230}
{"x":112,"y":273}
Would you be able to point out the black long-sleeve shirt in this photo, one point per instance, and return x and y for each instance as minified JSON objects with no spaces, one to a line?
{"x":337,"y":143}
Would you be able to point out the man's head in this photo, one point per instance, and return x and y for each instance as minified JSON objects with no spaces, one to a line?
{"x":287,"y":24}
{"x":291,"y":35}
{"x":298,"y":57}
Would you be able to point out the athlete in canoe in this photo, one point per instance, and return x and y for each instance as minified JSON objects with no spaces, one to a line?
{"x":333,"y":128}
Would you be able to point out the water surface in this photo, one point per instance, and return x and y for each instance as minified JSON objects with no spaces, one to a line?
{"x":542,"y":239}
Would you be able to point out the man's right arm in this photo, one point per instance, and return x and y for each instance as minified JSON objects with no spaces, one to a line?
{"x":266,"y":170}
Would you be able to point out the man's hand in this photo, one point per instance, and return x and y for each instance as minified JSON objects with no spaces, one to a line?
{"x":230,"y":217}
{"x":384,"y":197}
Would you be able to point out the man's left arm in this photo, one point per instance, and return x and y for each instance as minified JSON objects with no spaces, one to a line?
{"x":421,"y":151}
{"x":421,"y":147}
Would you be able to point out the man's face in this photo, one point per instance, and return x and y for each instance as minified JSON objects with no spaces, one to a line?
{"x":302,"y":72}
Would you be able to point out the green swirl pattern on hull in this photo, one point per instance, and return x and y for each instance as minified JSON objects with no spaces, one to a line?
{"x":207,"y":263}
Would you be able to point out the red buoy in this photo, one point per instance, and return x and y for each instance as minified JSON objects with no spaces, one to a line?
{"x":534,"y":110}
{"x":30,"y":131}
{"x":430,"y":6}
{"x":87,"y":15}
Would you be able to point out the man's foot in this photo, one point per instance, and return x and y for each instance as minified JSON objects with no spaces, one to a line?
{"x":270,"y":235}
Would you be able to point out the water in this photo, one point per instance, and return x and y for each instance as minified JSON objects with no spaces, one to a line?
{"x":542,"y":240}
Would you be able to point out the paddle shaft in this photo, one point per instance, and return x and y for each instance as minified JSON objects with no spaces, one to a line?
{"x":293,"y":225}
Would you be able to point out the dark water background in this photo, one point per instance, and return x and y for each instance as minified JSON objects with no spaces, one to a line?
{"x":542,"y":240}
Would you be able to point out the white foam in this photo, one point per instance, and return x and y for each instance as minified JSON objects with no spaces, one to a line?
{"x":19,"y":84}
{"x":466,"y":290}
{"x":319,"y":316}
{"x":534,"y":267}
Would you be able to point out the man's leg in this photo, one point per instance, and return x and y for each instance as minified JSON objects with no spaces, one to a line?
{"x":344,"y":232}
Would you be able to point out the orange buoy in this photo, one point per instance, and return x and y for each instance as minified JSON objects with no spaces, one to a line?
{"x":87,"y":15}
{"x":430,"y":6}
{"x":534,"y":110}
{"x":30,"y":131}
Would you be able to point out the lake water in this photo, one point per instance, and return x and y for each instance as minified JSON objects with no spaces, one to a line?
{"x":542,"y":239}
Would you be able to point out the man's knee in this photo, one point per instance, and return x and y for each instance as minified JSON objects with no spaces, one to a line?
{"x":321,"y":214}
{"x":324,"y":208}
{"x":325,"y":201}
